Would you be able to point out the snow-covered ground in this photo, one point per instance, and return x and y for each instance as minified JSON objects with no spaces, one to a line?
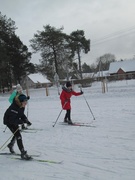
{"x":105,"y":151}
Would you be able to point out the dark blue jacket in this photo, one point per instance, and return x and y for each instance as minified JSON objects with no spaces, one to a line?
{"x":14,"y":115}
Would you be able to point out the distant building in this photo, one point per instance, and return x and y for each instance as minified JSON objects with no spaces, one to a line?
{"x":36,"y":80}
{"x":122,"y":69}
{"x":87,"y":75}
{"x":101,"y":74}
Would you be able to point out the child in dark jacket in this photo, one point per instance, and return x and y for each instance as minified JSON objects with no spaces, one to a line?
{"x":15,"y":93}
{"x":65,"y":96}
{"x":13,"y":117}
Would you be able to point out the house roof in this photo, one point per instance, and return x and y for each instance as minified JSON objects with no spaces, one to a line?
{"x":102,"y":74}
{"x":38,"y":78}
{"x":126,"y":66}
{"x":87,"y":75}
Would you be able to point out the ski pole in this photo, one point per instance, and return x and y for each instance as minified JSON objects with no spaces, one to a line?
{"x":8,"y":139}
{"x":5,"y":129}
{"x":88,"y":105}
{"x":59,"y":114}
{"x":27,"y":93}
{"x":27,"y":109}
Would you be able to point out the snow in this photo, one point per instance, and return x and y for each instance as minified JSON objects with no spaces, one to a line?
{"x":105,"y":151}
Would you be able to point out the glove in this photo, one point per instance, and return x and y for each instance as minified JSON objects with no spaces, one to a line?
{"x":29,"y":123}
{"x":81,"y":92}
{"x":28,"y":97}
{"x":23,"y":126}
{"x":20,"y":127}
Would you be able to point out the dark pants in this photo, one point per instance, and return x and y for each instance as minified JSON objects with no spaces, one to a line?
{"x":67,"y":115}
{"x":17,"y":136}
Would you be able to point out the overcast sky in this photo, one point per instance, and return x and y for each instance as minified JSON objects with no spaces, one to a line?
{"x":109,"y":24}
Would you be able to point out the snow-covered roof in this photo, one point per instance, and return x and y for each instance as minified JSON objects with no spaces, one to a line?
{"x":87,"y":75}
{"x":126,"y":66}
{"x":38,"y":78}
{"x":102,"y":74}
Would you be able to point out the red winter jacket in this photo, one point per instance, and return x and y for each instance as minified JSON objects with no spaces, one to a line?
{"x":65,"y":97}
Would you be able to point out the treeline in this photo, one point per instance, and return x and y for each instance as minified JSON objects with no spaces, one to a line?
{"x":60,"y":53}
{"x":14,"y":55}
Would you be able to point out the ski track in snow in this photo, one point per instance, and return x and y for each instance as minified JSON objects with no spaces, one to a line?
{"x":103,"y":152}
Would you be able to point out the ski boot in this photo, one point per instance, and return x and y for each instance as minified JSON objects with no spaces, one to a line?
{"x":70,"y":122}
{"x":65,"y":120}
{"x":25,"y":156}
{"x":10,"y":146}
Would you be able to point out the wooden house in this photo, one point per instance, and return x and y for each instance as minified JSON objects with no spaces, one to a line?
{"x":122,"y":70}
{"x":36,"y":80}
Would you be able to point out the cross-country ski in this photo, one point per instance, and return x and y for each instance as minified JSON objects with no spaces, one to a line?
{"x":77,"y":124}
{"x":38,"y":160}
{"x":16,"y":154}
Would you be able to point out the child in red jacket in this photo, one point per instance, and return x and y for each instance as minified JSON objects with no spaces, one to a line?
{"x":65,"y":96}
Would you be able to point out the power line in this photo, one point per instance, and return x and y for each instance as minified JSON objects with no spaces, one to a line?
{"x":114,"y":35}
{"x":117,"y":32}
